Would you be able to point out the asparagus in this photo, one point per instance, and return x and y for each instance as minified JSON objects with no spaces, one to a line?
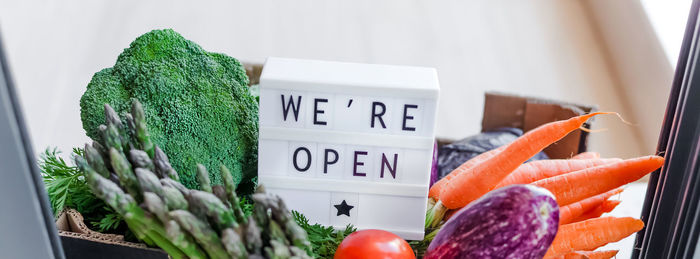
{"x":203,"y":178}
{"x":208,"y":206}
{"x":156,"y":206}
{"x":94,"y":158}
{"x":130,"y":124}
{"x":298,"y":253}
{"x":163,"y":167}
{"x":185,"y":223}
{"x":233,"y":243}
{"x":174,"y":198}
{"x":262,"y":208}
{"x":111,"y":117}
{"x":139,"y":158}
{"x":143,"y":227}
{"x":275,"y":232}
{"x":175,"y":234}
{"x":102,"y":151}
{"x":174,"y":184}
{"x":277,"y":250}
{"x":123,"y":169}
{"x":202,"y":233}
{"x":104,"y":189}
{"x":148,"y":181}
{"x":220,"y":192}
{"x":252,"y":237}
{"x":112,"y":138}
{"x":140,"y":128}
{"x":230,"y":187}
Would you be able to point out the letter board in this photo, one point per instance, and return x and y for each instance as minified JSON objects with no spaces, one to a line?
{"x":349,"y":143}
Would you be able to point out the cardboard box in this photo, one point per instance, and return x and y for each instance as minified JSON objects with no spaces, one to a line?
{"x":80,"y":242}
{"x":526,"y":113}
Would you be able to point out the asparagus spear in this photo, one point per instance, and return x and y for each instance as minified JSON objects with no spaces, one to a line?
{"x":163,"y":167}
{"x":104,"y":189}
{"x":139,"y":158}
{"x":111,"y":117}
{"x":277,"y":250}
{"x":298,"y":253}
{"x":123,"y":169}
{"x":251,"y":234}
{"x":233,"y":243}
{"x":203,"y":178}
{"x":220,"y":192}
{"x":156,"y":206}
{"x":111,"y":137}
{"x":94,"y":158}
{"x":275,"y":232}
{"x":230,"y":187}
{"x":262,"y":208}
{"x":174,"y":184}
{"x":279,"y":212}
{"x":207,"y":205}
{"x":294,"y":232}
{"x":102,"y":151}
{"x":174,"y":198}
{"x":202,"y":233}
{"x":148,"y":181}
{"x":140,"y":128}
{"x":148,"y":228}
{"x":175,"y":234}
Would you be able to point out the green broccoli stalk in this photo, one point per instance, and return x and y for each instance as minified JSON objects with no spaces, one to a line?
{"x":197,"y":106}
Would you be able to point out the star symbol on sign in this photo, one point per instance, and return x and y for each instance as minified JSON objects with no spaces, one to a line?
{"x":343,"y":208}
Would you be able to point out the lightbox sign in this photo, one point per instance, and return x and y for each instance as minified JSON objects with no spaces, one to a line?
{"x":349,"y":143}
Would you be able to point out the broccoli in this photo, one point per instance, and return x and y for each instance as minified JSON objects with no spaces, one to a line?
{"x":197,"y":104}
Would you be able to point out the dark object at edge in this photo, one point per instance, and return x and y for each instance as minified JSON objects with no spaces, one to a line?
{"x":452,"y":155}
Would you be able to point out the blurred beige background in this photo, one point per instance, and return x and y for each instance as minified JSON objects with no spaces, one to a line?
{"x":591,"y":52}
{"x":600,"y":52}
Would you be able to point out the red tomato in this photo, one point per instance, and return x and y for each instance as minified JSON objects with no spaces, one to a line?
{"x":374,"y":244}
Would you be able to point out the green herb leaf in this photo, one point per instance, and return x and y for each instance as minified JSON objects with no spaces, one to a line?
{"x":67,"y":188}
{"x":108,"y":222}
{"x":324,"y":240}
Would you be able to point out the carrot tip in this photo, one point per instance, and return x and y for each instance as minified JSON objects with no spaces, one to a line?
{"x":592,"y":131}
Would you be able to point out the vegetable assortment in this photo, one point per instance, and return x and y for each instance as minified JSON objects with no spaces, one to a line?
{"x":582,"y":186}
{"x":134,"y":177}
{"x":199,"y":109}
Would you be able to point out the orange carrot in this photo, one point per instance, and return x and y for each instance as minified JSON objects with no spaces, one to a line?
{"x":591,"y":254}
{"x":591,"y":234}
{"x":574,"y":255}
{"x":607,"y":254}
{"x":586,"y":155}
{"x":437,"y":187}
{"x":605,"y":207}
{"x":538,"y":170}
{"x":576,"y":186}
{"x":569,"y":213}
{"x":470,"y":183}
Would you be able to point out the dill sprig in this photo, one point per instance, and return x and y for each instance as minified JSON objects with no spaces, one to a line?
{"x":324,"y":240}
{"x":67,"y":188}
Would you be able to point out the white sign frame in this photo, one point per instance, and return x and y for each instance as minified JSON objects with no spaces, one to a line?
{"x":376,"y":154}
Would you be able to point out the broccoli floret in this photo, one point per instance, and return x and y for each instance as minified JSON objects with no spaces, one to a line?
{"x":197,"y":104}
